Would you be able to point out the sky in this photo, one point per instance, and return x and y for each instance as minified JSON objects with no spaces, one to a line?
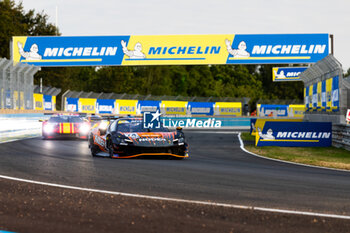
{"x":178,"y":17}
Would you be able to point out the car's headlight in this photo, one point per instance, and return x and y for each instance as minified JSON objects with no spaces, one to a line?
{"x":179,"y":141}
{"x":123,"y":141}
{"x":48,"y":128}
{"x":84,"y":128}
{"x":103,"y":125}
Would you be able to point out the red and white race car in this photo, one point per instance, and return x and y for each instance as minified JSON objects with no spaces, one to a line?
{"x":58,"y":126}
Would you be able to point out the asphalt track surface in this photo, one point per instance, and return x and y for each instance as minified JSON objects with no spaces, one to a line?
{"x":217,"y":171}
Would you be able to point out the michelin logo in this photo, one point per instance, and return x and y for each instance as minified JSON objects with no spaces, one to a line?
{"x":304,"y":135}
{"x":80,"y":51}
{"x":278,"y":49}
{"x":293,"y":135}
{"x":288,"y":49}
{"x":290,"y":72}
{"x":293,"y":74}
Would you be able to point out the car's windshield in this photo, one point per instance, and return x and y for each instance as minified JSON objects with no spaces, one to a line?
{"x":65,"y":119}
{"x":137,"y":126}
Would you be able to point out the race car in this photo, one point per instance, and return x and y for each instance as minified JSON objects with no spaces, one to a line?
{"x":127,"y":138}
{"x":58,"y":126}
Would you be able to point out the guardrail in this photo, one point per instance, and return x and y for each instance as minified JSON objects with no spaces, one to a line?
{"x":341,"y":136}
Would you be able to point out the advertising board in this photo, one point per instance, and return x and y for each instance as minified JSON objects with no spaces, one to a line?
{"x":169,"y":49}
{"x":294,"y":134}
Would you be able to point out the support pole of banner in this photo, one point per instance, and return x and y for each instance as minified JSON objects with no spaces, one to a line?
{"x":332,"y":43}
{"x":41,"y":85}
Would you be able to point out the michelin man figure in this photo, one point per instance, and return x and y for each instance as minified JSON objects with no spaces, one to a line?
{"x":32,"y":54}
{"x":134,"y":54}
{"x":240,"y":52}
{"x":268,"y":134}
{"x":280,"y":75}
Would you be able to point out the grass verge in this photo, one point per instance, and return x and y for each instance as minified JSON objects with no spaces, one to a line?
{"x":330,"y":157}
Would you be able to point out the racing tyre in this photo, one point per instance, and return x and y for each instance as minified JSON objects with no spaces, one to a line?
{"x":110,"y":148}
{"x":93,"y":148}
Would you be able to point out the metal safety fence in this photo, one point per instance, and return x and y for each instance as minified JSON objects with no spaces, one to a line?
{"x":341,"y":136}
{"x":16,"y":85}
{"x":326,"y":93}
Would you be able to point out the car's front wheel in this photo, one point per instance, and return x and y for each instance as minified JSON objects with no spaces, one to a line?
{"x":93,"y":148}
{"x":110,"y":148}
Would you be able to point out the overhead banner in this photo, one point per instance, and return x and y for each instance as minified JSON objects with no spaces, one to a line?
{"x":280,"y":74}
{"x":170,"y":49}
{"x":294,"y":134}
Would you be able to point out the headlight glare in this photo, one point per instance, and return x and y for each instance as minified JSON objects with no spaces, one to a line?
{"x":48,"y":128}
{"x":84,"y":128}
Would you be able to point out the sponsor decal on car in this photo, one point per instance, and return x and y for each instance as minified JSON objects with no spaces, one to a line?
{"x":99,"y":141}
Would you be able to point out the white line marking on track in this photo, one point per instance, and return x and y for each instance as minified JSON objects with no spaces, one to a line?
{"x":282,"y":211}
{"x":283,"y":161}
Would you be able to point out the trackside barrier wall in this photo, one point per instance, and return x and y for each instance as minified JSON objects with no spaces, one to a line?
{"x":148,"y":103}
{"x":341,"y":136}
{"x":274,"y":110}
{"x":136,"y":107}
{"x":16,"y":126}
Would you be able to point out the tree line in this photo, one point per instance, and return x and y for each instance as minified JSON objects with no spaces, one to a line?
{"x":253,"y":81}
